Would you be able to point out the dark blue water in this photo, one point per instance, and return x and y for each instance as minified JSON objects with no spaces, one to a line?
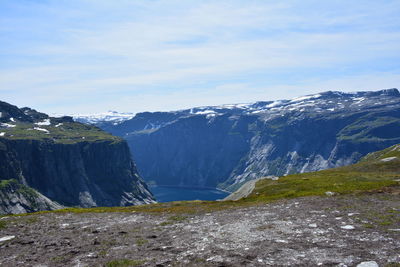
{"x":167,"y":194}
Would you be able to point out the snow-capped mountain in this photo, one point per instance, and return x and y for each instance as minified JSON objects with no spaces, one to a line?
{"x":109,"y":116}
{"x":326,"y":102}
{"x":227,"y":145}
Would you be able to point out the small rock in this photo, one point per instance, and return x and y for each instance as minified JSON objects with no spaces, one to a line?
{"x":368,"y":264}
{"x":312,"y":225}
{"x":347,"y":227}
{"x":329,"y":193}
{"x":6,"y":238}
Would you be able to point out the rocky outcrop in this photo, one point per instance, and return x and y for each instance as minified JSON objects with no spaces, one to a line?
{"x":64,"y":162}
{"x":225,"y":146}
{"x":16,"y":198}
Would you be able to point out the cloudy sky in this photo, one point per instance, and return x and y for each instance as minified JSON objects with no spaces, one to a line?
{"x":89,"y":56}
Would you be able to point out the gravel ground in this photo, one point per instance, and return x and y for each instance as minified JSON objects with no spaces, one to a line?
{"x":313,"y":231}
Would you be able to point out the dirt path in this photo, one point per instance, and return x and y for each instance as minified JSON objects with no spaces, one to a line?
{"x":329,"y":231}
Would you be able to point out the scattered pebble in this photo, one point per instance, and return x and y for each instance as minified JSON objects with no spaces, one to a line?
{"x":312,"y":225}
{"x":6,"y":238}
{"x":368,"y":264}
{"x":351,"y":214}
{"x":347,"y":227}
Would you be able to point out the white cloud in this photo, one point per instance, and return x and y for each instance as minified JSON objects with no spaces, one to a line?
{"x":155,"y":51}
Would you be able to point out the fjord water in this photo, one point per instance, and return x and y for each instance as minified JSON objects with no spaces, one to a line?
{"x":167,"y":194}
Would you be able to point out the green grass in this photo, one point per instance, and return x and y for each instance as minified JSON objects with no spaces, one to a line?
{"x":67,"y":133}
{"x":3,"y":224}
{"x":174,"y":219}
{"x":124,"y":263}
{"x":141,"y":241}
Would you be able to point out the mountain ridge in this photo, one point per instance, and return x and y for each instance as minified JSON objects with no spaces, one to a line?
{"x":225,"y":146}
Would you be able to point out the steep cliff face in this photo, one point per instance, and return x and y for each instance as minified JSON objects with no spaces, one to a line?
{"x":225,"y":146}
{"x":67,"y":162}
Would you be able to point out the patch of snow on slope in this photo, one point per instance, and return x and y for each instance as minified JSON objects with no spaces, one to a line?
{"x":45,"y":122}
{"x":275,"y":104}
{"x":2,"y":133}
{"x":302,"y":98}
{"x":41,"y":129}
{"x":8,"y":125}
{"x":388,"y":159}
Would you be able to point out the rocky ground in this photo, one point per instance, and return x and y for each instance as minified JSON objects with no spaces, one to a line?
{"x":313,"y":231}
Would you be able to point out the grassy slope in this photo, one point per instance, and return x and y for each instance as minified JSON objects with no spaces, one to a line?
{"x":369,"y":174}
{"x":70,"y":132}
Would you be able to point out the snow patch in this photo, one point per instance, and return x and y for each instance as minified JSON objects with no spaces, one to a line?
{"x":45,"y":122}
{"x":368,"y":264}
{"x":58,"y":125}
{"x":2,"y":133}
{"x":388,"y":159}
{"x":307,"y":97}
{"x":347,"y":227}
{"x":8,"y":125}
{"x":6,"y":238}
{"x":41,"y":129}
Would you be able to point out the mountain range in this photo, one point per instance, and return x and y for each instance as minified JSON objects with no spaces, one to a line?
{"x":225,"y":146}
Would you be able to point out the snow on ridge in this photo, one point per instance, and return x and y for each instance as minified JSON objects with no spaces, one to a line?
{"x":45,"y":122}
{"x":111,"y":116}
{"x":307,"y":97}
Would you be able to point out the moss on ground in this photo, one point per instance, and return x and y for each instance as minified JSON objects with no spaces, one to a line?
{"x":124,"y":263}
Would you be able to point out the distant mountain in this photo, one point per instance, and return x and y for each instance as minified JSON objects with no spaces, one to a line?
{"x":225,"y":146}
{"x":47,"y":163}
{"x":113,"y":117}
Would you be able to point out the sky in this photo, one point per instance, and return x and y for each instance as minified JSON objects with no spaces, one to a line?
{"x":90,"y":56}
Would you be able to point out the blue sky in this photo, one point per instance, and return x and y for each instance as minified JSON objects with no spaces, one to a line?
{"x":89,"y":56}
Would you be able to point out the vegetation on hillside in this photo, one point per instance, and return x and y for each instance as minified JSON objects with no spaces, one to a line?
{"x":67,"y":132}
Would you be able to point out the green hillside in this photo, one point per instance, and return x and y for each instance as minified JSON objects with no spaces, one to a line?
{"x":374,"y":171}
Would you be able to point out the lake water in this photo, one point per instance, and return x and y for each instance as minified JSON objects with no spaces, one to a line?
{"x":167,"y":194}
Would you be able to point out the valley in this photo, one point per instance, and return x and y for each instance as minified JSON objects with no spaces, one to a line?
{"x":225,"y":146}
